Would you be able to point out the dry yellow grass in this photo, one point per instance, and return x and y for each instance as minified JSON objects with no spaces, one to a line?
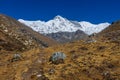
{"x":84,"y":61}
{"x":92,"y":61}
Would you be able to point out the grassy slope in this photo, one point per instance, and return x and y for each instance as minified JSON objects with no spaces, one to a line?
{"x":84,"y":61}
{"x":94,"y":61}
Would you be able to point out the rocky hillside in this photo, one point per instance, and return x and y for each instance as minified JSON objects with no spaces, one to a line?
{"x":84,"y":61}
{"x":111,"y":33}
{"x":16,"y":36}
{"x":64,"y":37}
{"x":79,"y":60}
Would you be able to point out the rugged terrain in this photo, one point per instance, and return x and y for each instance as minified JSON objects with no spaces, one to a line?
{"x":64,"y":30}
{"x":96,"y":58}
{"x":111,"y":33}
{"x":14,"y":35}
{"x":64,"y":37}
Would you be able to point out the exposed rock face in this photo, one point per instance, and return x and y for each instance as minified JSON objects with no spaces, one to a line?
{"x":68,"y":36}
{"x":14,"y":35}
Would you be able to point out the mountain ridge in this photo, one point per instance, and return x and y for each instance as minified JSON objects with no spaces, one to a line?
{"x":61,"y":24}
{"x":20,"y":36}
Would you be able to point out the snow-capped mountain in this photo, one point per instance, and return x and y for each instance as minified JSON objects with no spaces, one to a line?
{"x":60,"y":24}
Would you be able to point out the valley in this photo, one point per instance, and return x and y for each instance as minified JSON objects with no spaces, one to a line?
{"x":25,"y":54}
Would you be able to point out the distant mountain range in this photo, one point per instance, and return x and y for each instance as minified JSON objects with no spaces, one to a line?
{"x":64,"y":30}
{"x":60,"y":24}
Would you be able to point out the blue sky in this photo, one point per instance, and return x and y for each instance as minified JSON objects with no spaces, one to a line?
{"x":95,"y":11}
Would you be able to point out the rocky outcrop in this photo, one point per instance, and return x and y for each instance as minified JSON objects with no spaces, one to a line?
{"x":68,"y":36}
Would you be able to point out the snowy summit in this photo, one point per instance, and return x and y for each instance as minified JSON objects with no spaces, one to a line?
{"x":60,"y":24}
